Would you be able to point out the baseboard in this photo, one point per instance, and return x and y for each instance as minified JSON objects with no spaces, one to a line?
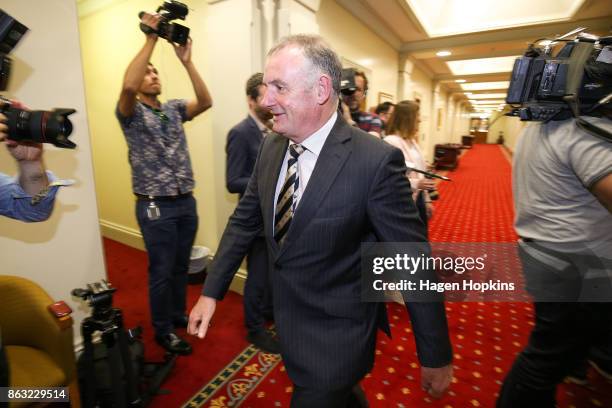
{"x":133,"y":238}
{"x":120,"y":233}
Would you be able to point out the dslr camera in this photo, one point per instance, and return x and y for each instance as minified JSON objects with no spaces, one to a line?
{"x":24,"y":125}
{"x":173,"y":32}
{"x":575,"y":82}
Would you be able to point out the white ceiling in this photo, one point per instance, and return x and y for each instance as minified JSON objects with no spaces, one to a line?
{"x":450,"y":17}
{"x":483,"y":36}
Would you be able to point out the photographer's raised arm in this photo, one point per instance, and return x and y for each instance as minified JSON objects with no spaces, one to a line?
{"x":203,"y":99}
{"x":137,"y":69}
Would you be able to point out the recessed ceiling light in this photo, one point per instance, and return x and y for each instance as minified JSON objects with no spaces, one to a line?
{"x":443,"y":53}
{"x":477,"y":86}
{"x":459,"y":81}
{"x":482,"y":65}
{"x":488,"y":96}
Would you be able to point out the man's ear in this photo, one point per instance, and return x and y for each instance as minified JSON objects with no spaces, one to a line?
{"x":324,"y":89}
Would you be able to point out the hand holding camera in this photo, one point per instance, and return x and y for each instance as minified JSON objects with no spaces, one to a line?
{"x":160,"y":24}
{"x":21,"y":151}
{"x":183,"y":52}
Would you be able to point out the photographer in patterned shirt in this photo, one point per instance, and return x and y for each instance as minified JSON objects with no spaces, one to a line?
{"x":162,"y":180}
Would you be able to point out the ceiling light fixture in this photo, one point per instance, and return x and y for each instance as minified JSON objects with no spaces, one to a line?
{"x":459,"y":81}
{"x":443,"y":53}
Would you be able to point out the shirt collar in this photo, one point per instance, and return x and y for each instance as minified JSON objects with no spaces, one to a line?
{"x":314,"y":143}
{"x":263,"y":128}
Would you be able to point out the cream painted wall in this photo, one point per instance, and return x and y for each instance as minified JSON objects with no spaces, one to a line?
{"x":64,"y":252}
{"x":422,"y":88}
{"x":110,"y":37}
{"x":511,"y":126}
{"x":229,"y":39}
{"x":352,"y":40}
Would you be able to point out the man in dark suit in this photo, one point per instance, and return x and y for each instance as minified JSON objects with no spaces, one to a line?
{"x":319,"y":189}
{"x":243,"y":143}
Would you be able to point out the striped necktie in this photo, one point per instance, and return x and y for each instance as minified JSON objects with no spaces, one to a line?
{"x":285,"y":204}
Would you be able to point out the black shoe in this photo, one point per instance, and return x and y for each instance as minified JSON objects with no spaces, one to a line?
{"x":264,"y":341}
{"x":604,"y":369}
{"x":174,"y":344}
{"x":578,"y":374}
{"x":181,"y":323}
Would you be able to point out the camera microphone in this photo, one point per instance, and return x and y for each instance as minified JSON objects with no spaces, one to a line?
{"x":429,"y":175}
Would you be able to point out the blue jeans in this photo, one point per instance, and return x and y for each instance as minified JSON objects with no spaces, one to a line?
{"x":168,"y":241}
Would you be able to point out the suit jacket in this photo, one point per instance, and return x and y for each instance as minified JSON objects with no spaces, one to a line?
{"x":357,"y":193}
{"x":243,"y":142}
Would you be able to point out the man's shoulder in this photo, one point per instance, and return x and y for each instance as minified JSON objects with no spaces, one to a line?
{"x":245,"y":125}
{"x":243,"y":129}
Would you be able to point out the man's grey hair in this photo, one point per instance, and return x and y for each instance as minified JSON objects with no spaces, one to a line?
{"x":317,"y":52}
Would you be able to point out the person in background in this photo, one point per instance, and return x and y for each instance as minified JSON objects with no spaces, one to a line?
{"x":351,"y":108}
{"x":384,"y":111}
{"x":162,"y":181}
{"x":562,"y":190}
{"x":243,"y":143}
{"x":402,"y":132}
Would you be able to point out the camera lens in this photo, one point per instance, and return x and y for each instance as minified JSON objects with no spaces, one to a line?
{"x":41,"y":126}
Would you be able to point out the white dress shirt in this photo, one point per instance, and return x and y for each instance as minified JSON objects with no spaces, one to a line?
{"x":306,"y":161}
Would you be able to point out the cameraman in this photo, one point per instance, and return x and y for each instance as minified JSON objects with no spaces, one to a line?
{"x":162,"y":180}
{"x":351,"y":103}
{"x":30,"y":196}
{"x":562,"y":185}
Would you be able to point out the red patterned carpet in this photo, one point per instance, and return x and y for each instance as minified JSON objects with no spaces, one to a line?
{"x":475,"y":207}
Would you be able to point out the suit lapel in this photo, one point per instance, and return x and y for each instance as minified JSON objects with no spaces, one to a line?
{"x":333,"y":155}
{"x":273,"y":164}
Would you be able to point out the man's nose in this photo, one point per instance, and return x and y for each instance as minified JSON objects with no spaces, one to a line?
{"x":267,"y":101}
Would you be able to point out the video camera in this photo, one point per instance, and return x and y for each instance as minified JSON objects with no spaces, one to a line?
{"x":575,"y":82}
{"x":25,"y":125}
{"x":173,"y":32}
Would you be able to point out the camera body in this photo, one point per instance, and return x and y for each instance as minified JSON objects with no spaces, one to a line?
{"x":11,"y":32}
{"x":572,"y":83}
{"x":25,"y":125}
{"x":173,"y":32}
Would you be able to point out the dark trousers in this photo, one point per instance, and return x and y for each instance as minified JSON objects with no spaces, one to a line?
{"x":422,"y":210}
{"x":349,"y":397}
{"x":562,"y":337}
{"x":257,"y":293}
{"x":168,"y":241}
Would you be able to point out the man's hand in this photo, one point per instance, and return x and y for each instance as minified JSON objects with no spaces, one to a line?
{"x":436,"y":380}
{"x":151,"y":20}
{"x":3,"y":128}
{"x":426,"y":184}
{"x":183,"y":52}
{"x":429,"y":209}
{"x":199,"y":318}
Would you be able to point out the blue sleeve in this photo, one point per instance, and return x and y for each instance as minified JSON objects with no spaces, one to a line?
{"x":181,"y":106}
{"x":124,"y":121}
{"x":16,"y":203}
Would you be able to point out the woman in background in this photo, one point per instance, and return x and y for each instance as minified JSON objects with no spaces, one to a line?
{"x":402,"y":132}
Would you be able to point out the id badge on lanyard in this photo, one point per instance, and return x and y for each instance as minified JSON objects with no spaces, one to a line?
{"x":153,"y":212}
